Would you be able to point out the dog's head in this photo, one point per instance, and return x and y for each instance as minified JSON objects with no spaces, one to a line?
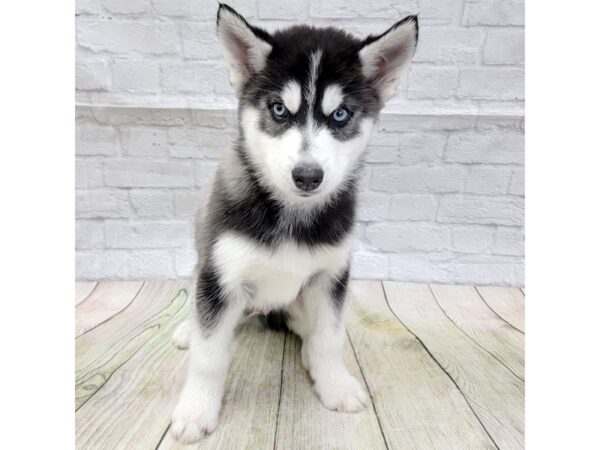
{"x":309,"y":99}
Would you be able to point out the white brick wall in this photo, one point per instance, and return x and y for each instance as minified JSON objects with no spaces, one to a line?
{"x":165,"y":52}
{"x":443,"y":190}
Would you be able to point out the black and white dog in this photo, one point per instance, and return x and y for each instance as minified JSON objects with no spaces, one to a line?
{"x":276,"y":234}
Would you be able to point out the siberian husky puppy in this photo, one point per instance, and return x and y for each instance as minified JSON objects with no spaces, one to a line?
{"x":276,"y":234}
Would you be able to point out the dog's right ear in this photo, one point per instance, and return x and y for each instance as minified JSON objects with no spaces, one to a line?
{"x":246,"y":47}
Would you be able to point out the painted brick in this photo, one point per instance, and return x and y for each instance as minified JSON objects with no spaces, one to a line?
{"x":205,"y":171}
{"x":421,"y":122}
{"x":199,"y":142}
{"x":491,"y":84}
{"x":349,"y":9}
{"x":432,"y":83}
{"x":143,"y":173}
{"x":276,"y":9}
{"x":418,"y":179}
{"x":92,"y":76}
{"x":369,"y":266}
{"x":517,"y":182}
{"x":102,"y":203}
{"x":94,"y":139}
{"x":126,"y":6}
{"x":413,"y":207}
{"x":504,"y":47}
{"x":124,"y":264}
{"x":444,"y":11}
{"x":148,"y":234}
{"x":89,"y":173}
{"x":187,"y":202}
{"x":449,"y":46}
{"x":202,"y":78}
{"x":394,"y":237}
{"x":473,"y":239}
{"x":481,"y":210}
{"x":373,"y":206}
{"x":487,"y":147}
{"x":136,"y":75}
{"x":152,"y":203}
{"x":89,"y":234}
{"x":494,"y":12}
{"x":200,"y":41}
{"x":144,"y":141}
{"x":421,"y":148}
{"x":118,"y":36}
{"x":510,"y":241}
{"x":488,"y":180}
{"x":185,"y":260}
{"x":419,"y":268}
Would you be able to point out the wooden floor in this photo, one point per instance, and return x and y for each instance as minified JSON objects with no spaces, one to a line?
{"x":443,"y":365}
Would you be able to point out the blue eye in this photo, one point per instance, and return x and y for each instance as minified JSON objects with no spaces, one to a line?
{"x":279,"y":111}
{"x":340,"y":116}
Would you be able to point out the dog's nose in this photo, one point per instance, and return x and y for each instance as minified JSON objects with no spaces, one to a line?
{"x":307,"y":177}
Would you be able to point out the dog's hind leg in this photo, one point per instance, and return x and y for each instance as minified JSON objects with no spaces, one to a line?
{"x":316,"y":316}
{"x":181,"y":336}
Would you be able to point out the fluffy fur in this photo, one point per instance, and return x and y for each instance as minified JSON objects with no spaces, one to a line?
{"x":268,"y":241}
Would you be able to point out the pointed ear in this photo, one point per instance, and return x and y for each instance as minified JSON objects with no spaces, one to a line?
{"x":386,"y":56}
{"x":246,"y":47}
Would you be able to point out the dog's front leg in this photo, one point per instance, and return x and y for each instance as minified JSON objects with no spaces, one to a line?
{"x":317,"y":318}
{"x":210,"y":339}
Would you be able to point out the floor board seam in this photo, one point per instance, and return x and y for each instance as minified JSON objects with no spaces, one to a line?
{"x":369,"y":392}
{"x":88,"y":296}
{"x":114,"y":315}
{"x":494,"y":311}
{"x":163,"y":436}
{"x":471,"y":337}
{"x":442,"y":368}
{"x":280,"y":390}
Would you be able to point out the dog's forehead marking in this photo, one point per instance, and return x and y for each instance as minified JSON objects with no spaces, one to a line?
{"x":292,"y":96}
{"x":332,"y":98}
{"x":311,"y":88}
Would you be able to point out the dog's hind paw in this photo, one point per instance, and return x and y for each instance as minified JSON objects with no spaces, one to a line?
{"x":181,"y":336}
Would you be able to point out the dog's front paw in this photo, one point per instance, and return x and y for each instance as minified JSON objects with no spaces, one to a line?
{"x":191,"y":422}
{"x":344,"y":394}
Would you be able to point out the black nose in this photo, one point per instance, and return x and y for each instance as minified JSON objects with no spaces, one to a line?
{"x":307,"y":177}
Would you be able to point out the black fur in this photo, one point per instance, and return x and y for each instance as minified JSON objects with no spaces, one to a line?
{"x":210,"y":298}
{"x":262,"y":218}
{"x":339,"y":288}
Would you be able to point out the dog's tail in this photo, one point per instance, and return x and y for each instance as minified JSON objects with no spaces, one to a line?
{"x":275,"y":320}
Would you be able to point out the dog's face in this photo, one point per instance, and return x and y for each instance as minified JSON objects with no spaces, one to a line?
{"x":309,"y":99}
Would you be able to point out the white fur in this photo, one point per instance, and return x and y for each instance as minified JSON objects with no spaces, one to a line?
{"x":332,"y":99}
{"x":277,"y":156}
{"x":273,"y":276}
{"x":292,"y":96}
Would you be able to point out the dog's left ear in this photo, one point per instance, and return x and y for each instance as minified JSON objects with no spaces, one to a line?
{"x":386,"y":56}
{"x":246,"y":47}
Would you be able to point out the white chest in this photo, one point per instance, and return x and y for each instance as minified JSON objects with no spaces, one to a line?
{"x":274,"y":275}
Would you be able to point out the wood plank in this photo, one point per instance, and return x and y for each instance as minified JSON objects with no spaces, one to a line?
{"x":417,"y":403}
{"x":303,"y":420}
{"x":248,"y":416}
{"x":508,"y":303}
{"x":83,"y":289}
{"x":139,"y":388}
{"x":101,"y":351}
{"x":109,"y":298}
{"x":494,"y":393}
{"x":463,"y":306}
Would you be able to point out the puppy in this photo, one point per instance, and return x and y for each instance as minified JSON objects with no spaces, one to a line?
{"x":275,"y":237}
